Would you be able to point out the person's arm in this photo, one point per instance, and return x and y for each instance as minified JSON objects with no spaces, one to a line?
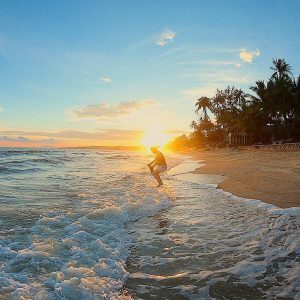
{"x":152,"y":162}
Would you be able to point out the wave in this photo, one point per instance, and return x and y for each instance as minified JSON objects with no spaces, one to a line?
{"x":46,"y":161}
{"x":7,"y":170}
{"x":119,"y":156}
{"x":4,"y":152}
{"x":35,"y":160}
{"x":80,"y":254}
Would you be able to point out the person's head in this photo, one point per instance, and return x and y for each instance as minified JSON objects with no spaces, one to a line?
{"x":154,"y":149}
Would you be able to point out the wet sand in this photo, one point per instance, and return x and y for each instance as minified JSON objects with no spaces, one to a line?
{"x":273,"y":177}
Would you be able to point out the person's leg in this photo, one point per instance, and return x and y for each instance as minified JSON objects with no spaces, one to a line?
{"x":157,"y":177}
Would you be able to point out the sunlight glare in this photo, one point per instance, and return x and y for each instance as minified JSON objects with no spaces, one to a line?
{"x":155,"y":137}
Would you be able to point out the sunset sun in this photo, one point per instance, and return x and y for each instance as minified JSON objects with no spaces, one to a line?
{"x":155,"y":137}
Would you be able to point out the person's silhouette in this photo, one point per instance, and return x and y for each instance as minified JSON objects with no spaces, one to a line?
{"x":158,"y":165}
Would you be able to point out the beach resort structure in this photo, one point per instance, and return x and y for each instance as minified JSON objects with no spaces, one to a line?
{"x":239,"y":139}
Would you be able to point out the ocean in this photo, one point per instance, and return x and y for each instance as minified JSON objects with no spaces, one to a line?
{"x":90,"y":224}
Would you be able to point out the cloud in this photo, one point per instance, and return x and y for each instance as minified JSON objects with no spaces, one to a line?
{"x":13,"y":139}
{"x":166,"y":37}
{"x":217,"y":78}
{"x":23,"y":139}
{"x":219,"y":62}
{"x":238,"y":65}
{"x":213,"y":49}
{"x":1,"y":109}
{"x":47,"y":137}
{"x":174,"y":51}
{"x":104,"y":110}
{"x":248,"y":56}
{"x":100,"y":134}
{"x":211,"y":62}
{"x":198,"y":92}
{"x":106,"y":79}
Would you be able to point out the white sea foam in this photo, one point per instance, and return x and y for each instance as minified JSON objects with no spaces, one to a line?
{"x":81,"y":255}
{"x":80,"y":252}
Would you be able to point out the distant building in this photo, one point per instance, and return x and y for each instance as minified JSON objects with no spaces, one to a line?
{"x":239,"y":139}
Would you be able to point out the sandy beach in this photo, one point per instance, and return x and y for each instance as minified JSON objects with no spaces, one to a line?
{"x":273,"y":177}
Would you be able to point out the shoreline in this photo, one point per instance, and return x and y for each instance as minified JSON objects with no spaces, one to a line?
{"x":205,"y":237}
{"x":271,"y":177}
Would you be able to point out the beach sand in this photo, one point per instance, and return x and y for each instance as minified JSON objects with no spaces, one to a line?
{"x":273,"y":177}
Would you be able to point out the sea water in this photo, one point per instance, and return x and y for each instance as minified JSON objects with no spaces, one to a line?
{"x":90,"y":224}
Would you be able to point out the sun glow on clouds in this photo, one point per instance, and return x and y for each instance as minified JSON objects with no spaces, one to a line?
{"x":154,"y":135}
{"x":104,"y":110}
{"x":248,"y":56}
{"x":166,"y":37}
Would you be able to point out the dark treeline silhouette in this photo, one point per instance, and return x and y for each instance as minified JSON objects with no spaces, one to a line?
{"x":271,"y":113}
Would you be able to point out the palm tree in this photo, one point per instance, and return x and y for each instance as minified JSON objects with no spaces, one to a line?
{"x":226,"y":105}
{"x":296,"y":109}
{"x":261,"y":107}
{"x":273,"y":101}
{"x":204,"y":104}
{"x":260,"y":89}
{"x":194,"y":125}
{"x":281,"y":69}
{"x":296,"y":96}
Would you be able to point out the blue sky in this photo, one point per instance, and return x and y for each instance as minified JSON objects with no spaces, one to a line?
{"x":104,"y":70}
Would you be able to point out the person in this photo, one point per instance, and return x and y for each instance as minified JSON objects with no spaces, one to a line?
{"x":160,"y":163}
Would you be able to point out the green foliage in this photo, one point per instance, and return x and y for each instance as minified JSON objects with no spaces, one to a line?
{"x":271,"y":112}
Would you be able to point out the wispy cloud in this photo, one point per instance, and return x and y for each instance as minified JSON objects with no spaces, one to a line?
{"x":209,"y":62}
{"x":106,"y":79}
{"x":209,"y":81}
{"x":214,"y":49}
{"x":213,"y":56}
{"x":217,"y":77}
{"x":104,"y":110}
{"x":248,"y":56}
{"x":1,"y":109}
{"x":99,"y":134}
{"x":22,"y":139}
{"x":200,"y":91}
{"x":219,"y":62}
{"x":165,"y":37}
{"x":175,"y":51}
{"x":50,"y":137}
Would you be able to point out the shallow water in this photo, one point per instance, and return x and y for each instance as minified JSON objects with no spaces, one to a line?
{"x":89,"y":224}
{"x":63,"y":219}
{"x":213,"y":245}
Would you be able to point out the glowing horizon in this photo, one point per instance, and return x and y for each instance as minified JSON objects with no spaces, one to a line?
{"x":154,"y":136}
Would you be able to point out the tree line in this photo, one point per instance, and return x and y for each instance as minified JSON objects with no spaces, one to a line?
{"x":269,"y":113}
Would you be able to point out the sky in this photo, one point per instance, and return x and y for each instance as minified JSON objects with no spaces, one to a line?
{"x":87,"y":73}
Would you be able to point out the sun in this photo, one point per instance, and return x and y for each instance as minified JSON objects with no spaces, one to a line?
{"x":155,"y":137}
